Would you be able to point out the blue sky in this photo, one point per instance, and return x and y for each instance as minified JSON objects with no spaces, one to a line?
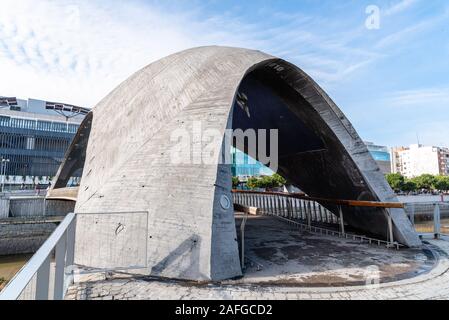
{"x":392,"y":82}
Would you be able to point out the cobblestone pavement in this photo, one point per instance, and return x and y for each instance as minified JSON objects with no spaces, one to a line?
{"x":432,"y":285}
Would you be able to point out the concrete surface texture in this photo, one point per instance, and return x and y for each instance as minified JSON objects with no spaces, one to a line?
{"x":190,"y":230}
{"x":431,"y":285}
{"x":25,"y":235}
{"x":279,"y":254}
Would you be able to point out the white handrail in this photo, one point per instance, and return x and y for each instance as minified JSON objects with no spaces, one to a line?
{"x":62,"y":239}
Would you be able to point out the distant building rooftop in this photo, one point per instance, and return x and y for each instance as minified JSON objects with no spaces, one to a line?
{"x":42,"y":108}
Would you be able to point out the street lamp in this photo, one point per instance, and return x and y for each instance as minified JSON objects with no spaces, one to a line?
{"x":3,"y":171}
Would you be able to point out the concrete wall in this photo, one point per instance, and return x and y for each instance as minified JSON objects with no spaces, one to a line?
{"x":4,"y":208}
{"x":37,"y":206}
{"x":18,"y":237}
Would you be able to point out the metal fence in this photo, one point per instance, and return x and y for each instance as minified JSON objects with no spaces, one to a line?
{"x":287,"y":207}
{"x":50,"y":271}
{"x":429,"y":217}
{"x":307,"y":213}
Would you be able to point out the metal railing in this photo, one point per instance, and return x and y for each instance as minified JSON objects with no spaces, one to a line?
{"x":308,"y":213}
{"x":50,"y":271}
{"x":429,"y":218}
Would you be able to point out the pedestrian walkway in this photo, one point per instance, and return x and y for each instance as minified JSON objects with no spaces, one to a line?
{"x":285,"y":263}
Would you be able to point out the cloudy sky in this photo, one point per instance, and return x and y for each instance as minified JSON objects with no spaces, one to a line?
{"x":391,"y":81}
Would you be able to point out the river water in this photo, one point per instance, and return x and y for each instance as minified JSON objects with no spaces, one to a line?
{"x":428,"y":226}
{"x":10,"y":265}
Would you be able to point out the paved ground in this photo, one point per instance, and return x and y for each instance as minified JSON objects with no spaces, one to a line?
{"x":277,"y":253}
{"x":293,"y":265}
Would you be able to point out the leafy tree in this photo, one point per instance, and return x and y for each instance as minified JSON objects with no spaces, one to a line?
{"x":425,"y":181}
{"x":396,"y":181}
{"x":266,"y":182}
{"x":409,"y":186}
{"x":235,"y":182}
{"x":252,"y":183}
{"x":279,"y":180}
{"x":441,"y":183}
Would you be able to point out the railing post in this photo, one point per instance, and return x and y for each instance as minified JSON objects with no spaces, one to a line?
{"x":390,"y":228}
{"x":284,"y":204}
{"x":289,"y":209}
{"x":277,"y":204}
{"x":60,"y":268}
{"x":309,"y":215}
{"x":242,"y":230}
{"x":295,"y":203}
{"x":303,"y":210}
{"x":70,"y":256}
{"x":262,"y":200}
{"x":42,"y":280}
{"x":437,"y":221}
{"x":71,"y":243}
{"x":342,"y":222}
{"x":45,"y":207}
{"x":270,"y":207}
{"x":267,"y":204}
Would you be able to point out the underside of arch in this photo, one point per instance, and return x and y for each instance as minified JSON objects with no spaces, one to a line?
{"x":310,"y":154}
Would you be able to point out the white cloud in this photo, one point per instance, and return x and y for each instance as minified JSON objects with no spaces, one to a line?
{"x":78,"y":51}
{"x":399,"y":7}
{"x":428,"y":97}
{"x":47,"y":53}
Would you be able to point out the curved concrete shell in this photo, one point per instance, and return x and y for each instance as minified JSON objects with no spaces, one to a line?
{"x":138,"y":209}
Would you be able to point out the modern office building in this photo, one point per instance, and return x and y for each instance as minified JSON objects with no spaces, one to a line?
{"x":417,"y":159}
{"x":381,"y":155}
{"x":244,"y":166}
{"x":34,"y":136}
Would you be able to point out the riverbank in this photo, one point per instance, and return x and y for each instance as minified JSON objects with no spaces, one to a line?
{"x":10,"y":265}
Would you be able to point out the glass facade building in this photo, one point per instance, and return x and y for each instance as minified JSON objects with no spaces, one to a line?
{"x":245,"y":166}
{"x":381,"y":155}
{"x":34,"y":139}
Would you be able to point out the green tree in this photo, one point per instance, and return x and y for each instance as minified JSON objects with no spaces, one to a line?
{"x":396,"y":181}
{"x":266,"y":182}
{"x":235,"y":182}
{"x":441,"y":183}
{"x":425,"y":181}
{"x":409,"y":186}
{"x":279,"y":180}
{"x":252,"y":183}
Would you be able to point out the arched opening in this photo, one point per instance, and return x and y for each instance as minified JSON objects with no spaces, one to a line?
{"x":311,"y":157}
{"x":309,"y":154}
